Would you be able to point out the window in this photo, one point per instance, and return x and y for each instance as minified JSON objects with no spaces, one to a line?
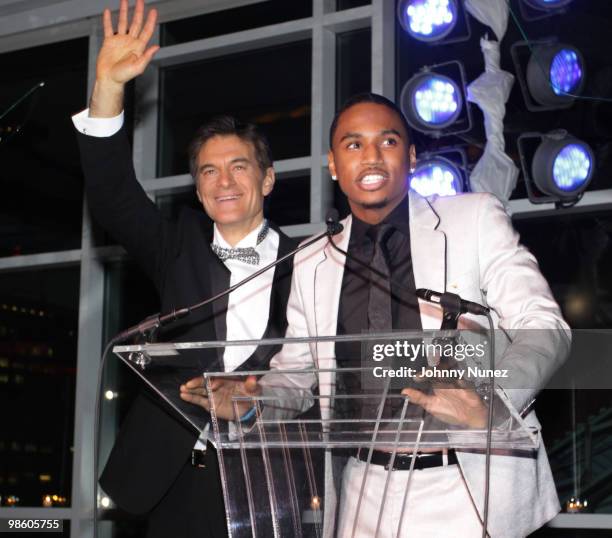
{"x":582,"y":286}
{"x":349,"y":4}
{"x":289,"y":202}
{"x":234,"y":20}
{"x":354,"y":64}
{"x":278,"y":103}
{"x":42,"y":198}
{"x":38,"y":338}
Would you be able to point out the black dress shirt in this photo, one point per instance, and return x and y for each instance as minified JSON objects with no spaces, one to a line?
{"x":353,"y":307}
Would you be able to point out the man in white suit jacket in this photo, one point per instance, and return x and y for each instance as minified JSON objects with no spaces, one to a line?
{"x":464,"y":244}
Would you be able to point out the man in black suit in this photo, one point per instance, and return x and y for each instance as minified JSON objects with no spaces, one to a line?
{"x":158,"y":465}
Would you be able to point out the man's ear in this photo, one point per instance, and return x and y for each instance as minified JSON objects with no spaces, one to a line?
{"x":268,"y":182}
{"x":198,"y":193}
{"x":331,"y":164}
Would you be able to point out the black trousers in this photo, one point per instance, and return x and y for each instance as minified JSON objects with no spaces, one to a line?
{"x":193,"y":506}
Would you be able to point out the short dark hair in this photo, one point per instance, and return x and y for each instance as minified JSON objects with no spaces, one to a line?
{"x":226,"y":126}
{"x":367,"y":97}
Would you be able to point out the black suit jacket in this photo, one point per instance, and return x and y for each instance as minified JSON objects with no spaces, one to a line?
{"x":154,"y":442}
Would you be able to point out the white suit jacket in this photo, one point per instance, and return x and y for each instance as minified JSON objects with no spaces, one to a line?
{"x":467,"y":245}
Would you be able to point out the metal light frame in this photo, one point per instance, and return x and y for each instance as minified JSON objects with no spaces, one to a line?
{"x":541,"y":190}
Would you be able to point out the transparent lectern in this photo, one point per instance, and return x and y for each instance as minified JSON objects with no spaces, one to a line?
{"x":283,"y":443}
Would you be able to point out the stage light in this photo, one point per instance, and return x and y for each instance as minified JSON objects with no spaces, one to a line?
{"x":436,"y":175}
{"x":572,"y":166}
{"x":566,"y":71}
{"x":551,"y":75}
{"x":428,"y":20}
{"x":555,"y":74}
{"x":559,"y":170}
{"x":433,"y":101}
{"x":436,"y":100}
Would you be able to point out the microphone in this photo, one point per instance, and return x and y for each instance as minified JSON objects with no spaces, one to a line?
{"x":331,"y":219}
{"x":149,"y":326}
{"x":452,"y":303}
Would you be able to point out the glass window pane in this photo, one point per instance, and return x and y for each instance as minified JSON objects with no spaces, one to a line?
{"x":575,"y":427}
{"x":574,"y":255}
{"x":252,"y":86}
{"x":38,"y":342}
{"x":42,"y":188}
{"x":289,"y":202}
{"x":354,"y":64}
{"x":234,"y":20}
{"x":348,"y":4}
{"x":130,"y":297}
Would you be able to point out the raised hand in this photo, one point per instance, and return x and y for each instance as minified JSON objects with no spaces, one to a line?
{"x":124,"y":55}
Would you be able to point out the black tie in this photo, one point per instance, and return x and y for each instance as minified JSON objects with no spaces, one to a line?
{"x":379,"y":302}
{"x":379,"y":307}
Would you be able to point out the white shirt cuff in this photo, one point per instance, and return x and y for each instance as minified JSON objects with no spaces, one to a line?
{"x":100,"y":127}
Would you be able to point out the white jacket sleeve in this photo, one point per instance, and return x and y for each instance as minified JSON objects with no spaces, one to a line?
{"x":288,"y":386}
{"x":516,"y":290}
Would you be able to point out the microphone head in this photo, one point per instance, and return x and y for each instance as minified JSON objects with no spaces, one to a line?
{"x":332,"y":218}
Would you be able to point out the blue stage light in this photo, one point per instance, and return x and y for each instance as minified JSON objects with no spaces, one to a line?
{"x":562,"y":167}
{"x":428,"y":20}
{"x":436,"y":176}
{"x":572,"y":167}
{"x":437,"y":100}
{"x":555,"y":75}
{"x":565,"y":72}
{"x":434,"y":101}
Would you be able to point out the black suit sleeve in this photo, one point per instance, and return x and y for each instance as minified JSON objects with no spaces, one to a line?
{"x":119,"y":204}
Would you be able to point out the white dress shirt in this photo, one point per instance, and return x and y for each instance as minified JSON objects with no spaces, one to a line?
{"x":248,"y":306}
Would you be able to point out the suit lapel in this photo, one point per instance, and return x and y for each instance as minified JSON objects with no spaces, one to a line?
{"x":428,"y":249}
{"x":327,"y":285}
{"x":219,"y":281}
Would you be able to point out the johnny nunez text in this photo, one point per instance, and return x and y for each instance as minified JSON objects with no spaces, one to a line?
{"x":433,"y":372}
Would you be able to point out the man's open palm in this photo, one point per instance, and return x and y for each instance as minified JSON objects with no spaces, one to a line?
{"x":124,"y":54}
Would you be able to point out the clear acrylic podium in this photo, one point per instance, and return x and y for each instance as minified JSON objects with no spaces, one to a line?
{"x":283,"y":447}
